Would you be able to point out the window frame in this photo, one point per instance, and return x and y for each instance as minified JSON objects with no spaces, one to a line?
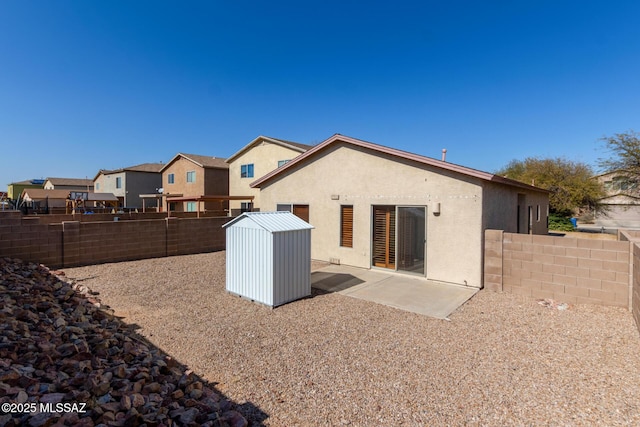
{"x":171,"y":178}
{"x":191,"y":174}
{"x":246,"y":170}
{"x":118,"y":182}
{"x":346,"y":226}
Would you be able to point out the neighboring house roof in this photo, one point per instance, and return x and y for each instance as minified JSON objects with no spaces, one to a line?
{"x":38,"y":182}
{"x":144,"y":167}
{"x":296,"y":146}
{"x":202,"y":161}
{"x":41,"y":193}
{"x":80,"y":182}
{"x":101,"y":197}
{"x":337,"y":138}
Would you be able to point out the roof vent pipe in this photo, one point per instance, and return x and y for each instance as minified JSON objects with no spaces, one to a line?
{"x":444,"y":154}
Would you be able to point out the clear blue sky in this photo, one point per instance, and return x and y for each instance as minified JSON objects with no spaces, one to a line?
{"x":86,"y":85}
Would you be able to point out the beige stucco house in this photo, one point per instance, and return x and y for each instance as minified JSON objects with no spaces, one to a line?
{"x":621,"y":205}
{"x":378,"y":207}
{"x":257,"y":158}
{"x":191,"y":177}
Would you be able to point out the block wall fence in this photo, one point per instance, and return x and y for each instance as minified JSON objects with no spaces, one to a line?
{"x":75,"y":243}
{"x":566,"y":269}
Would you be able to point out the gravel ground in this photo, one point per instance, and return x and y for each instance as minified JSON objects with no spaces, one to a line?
{"x":334,"y":360}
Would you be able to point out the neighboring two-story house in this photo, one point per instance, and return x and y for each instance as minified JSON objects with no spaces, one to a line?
{"x":190,"y":177}
{"x":127,"y":184}
{"x":261,"y":156}
{"x":621,"y":206}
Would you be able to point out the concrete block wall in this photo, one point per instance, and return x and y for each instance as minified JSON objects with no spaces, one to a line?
{"x":30,"y":239}
{"x":565,"y":269}
{"x":635,"y":290}
{"x":195,"y":235}
{"x":75,"y":243}
{"x":633,"y":236}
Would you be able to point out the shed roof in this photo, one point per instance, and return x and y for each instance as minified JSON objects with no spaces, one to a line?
{"x":274,"y":222}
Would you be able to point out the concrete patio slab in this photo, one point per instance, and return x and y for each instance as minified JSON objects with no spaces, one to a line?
{"x":409,"y":293}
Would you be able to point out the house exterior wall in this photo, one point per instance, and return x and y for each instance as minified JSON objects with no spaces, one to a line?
{"x":140,"y":183}
{"x":621,"y":205}
{"x":363,"y":179}
{"x":501,"y":209}
{"x":216,"y":181}
{"x":107,"y":184}
{"x":264,"y":157}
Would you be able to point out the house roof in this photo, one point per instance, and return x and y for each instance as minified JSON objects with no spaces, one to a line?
{"x":41,"y":193}
{"x":143,"y":167}
{"x":273,"y":222}
{"x":80,"y":182}
{"x":200,"y":160}
{"x":337,"y":138}
{"x":101,"y":197}
{"x":296,"y":146}
{"x":38,"y":182}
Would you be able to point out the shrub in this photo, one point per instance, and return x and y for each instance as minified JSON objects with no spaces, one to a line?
{"x":560,"y":223}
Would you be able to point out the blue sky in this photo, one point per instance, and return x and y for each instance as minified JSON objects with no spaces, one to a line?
{"x":89,"y":85}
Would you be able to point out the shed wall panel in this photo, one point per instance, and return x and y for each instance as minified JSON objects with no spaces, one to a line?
{"x":249,"y":264}
{"x":292,"y":275}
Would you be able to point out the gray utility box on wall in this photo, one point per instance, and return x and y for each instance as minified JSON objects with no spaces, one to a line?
{"x":268,"y":257}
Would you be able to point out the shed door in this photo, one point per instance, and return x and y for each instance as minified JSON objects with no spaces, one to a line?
{"x":384,"y":236}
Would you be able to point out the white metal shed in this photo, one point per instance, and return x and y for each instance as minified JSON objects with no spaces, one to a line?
{"x":268,"y":257}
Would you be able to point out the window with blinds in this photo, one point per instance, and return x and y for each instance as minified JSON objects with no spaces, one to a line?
{"x":346,"y":226}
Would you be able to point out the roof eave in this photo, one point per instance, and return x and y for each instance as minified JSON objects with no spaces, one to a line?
{"x":263,"y":138}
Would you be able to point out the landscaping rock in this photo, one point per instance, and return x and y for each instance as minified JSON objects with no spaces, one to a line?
{"x":59,"y":345}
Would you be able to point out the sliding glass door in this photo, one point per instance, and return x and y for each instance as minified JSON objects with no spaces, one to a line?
{"x":411,"y":239}
{"x":398,"y":238}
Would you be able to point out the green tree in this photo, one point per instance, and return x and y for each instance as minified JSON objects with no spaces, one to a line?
{"x":624,"y":154}
{"x":571,"y":183}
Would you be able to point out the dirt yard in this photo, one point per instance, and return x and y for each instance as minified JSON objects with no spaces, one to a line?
{"x":334,"y":360}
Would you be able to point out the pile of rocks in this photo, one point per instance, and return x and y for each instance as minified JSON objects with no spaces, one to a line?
{"x":66,"y":360}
